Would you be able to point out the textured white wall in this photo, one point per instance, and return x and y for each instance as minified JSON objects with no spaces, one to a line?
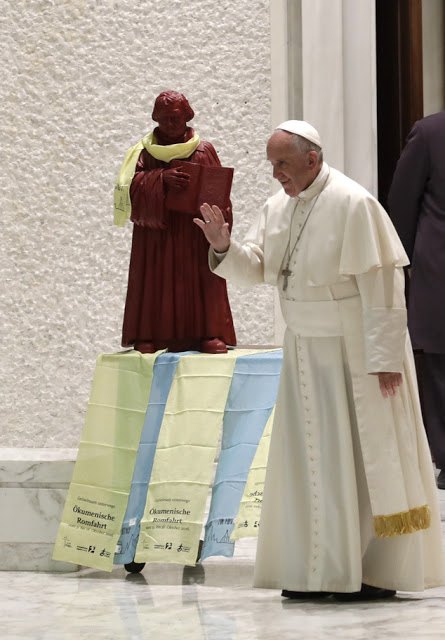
{"x":79,"y":78}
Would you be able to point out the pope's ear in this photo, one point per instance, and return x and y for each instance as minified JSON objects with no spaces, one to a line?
{"x":312,"y":159}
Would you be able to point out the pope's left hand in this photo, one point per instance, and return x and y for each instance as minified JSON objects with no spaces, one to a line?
{"x":389,"y":382}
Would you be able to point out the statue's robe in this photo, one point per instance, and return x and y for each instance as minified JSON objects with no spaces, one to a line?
{"x":172,"y":296}
{"x":350,"y":495}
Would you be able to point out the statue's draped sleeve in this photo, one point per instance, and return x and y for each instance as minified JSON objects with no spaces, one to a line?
{"x":147,"y":195}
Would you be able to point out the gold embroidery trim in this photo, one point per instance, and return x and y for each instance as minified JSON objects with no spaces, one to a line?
{"x":397,"y":524}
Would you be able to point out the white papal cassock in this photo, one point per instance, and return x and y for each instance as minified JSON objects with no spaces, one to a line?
{"x":350,"y":495}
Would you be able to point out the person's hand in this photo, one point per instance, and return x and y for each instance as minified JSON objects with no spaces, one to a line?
{"x":389,"y":382}
{"x":215,"y":228}
{"x":176,"y":179}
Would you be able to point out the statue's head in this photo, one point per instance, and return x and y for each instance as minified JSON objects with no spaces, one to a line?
{"x":172,"y":101}
{"x":172,"y":112}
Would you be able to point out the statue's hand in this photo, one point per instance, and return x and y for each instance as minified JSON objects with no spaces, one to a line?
{"x":175,"y":178}
{"x":215,"y":228}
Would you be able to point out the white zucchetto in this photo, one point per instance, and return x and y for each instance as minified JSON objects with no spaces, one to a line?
{"x":301,"y":128}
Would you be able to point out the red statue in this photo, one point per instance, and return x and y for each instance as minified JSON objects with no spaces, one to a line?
{"x":173,"y":301}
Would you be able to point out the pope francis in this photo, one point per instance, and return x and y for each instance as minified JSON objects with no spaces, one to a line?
{"x":350,"y":508}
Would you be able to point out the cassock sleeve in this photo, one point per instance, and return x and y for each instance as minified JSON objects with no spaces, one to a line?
{"x":408,"y":185}
{"x":384,"y":318}
{"x":373,"y":254}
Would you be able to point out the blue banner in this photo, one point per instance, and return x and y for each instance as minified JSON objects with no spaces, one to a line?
{"x":252,"y":396}
{"x":163,"y":374}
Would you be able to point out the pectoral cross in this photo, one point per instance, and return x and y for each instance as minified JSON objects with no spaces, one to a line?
{"x":286,"y":273}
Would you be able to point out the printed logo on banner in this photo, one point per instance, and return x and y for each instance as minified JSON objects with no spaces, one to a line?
{"x":246,"y":523}
{"x":167,"y":545}
{"x":226,"y":538}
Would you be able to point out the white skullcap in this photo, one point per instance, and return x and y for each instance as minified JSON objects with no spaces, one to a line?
{"x":303,"y":129}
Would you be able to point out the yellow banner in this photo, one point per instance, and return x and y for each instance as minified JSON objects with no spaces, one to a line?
{"x":98,"y":494}
{"x":183,"y":464}
{"x":247,"y":521}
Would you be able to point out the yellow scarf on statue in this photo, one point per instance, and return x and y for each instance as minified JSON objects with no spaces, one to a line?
{"x":165,"y":153}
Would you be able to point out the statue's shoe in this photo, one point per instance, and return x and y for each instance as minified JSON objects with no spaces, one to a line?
{"x":213,"y":345}
{"x":145,"y":347}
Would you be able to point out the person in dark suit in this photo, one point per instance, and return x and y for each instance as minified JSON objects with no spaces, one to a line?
{"x":417,"y":208}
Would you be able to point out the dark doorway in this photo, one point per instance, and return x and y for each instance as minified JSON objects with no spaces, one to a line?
{"x":399,"y":82}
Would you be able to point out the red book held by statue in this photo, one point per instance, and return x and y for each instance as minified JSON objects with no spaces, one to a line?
{"x":207,"y":184}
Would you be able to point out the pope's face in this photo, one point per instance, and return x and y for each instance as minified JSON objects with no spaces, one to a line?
{"x":172,"y":124}
{"x":293,"y":170}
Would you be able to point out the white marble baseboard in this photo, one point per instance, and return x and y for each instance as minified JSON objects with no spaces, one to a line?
{"x":32,"y":515}
{"x":36,"y":467}
{"x":30,"y":556}
{"x":33,"y":488}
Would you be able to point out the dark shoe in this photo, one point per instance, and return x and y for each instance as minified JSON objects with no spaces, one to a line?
{"x":145,"y":347}
{"x":441,"y":480}
{"x":213,"y":345}
{"x":304,"y":595}
{"x":134,"y":567}
{"x":366,"y":593}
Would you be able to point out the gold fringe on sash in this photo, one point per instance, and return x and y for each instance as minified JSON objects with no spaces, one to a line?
{"x":398,"y":524}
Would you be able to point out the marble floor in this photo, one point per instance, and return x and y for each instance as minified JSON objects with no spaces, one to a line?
{"x":214,"y":601}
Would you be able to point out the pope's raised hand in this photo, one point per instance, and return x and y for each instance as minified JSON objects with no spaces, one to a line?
{"x":215,"y":228}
